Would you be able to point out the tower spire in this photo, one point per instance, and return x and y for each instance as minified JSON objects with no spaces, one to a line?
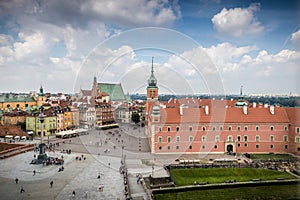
{"x":152,"y":82}
{"x":241,"y":92}
{"x":152,"y":71}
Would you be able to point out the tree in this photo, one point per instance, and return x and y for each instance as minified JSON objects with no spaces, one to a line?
{"x":135,"y":117}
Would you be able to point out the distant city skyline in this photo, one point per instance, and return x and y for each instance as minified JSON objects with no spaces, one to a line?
{"x":199,"y":47}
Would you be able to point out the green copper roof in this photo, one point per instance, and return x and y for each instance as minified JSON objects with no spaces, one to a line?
{"x":241,"y":101}
{"x":16,"y":99}
{"x":115,"y":91}
{"x":155,"y":110}
{"x":152,"y":82}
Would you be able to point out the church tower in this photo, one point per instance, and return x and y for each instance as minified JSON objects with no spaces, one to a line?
{"x":152,"y":89}
{"x":41,"y":99}
{"x":95,"y":88}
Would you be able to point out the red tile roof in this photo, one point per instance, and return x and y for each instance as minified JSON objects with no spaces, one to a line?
{"x":87,"y":92}
{"x":219,"y":112}
{"x":104,"y":94}
{"x":294,"y":115}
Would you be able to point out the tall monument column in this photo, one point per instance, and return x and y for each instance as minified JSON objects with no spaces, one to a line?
{"x":42,"y":155}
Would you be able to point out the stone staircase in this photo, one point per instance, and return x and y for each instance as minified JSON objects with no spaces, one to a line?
{"x":15,"y":150}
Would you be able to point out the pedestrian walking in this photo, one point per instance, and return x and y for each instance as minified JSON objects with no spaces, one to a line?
{"x":22,"y":189}
{"x":33,"y":172}
{"x":17,"y":180}
{"x":73,"y":193}
{"x":51,"y":184}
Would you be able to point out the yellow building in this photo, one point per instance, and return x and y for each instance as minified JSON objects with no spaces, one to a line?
{"x":75,"y":116}
{"x":10,"y":102}
{"x":33,"y":123}
{"x":68,"y":118}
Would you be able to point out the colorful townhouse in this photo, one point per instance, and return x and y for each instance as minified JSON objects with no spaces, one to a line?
{"x":49,"y":125}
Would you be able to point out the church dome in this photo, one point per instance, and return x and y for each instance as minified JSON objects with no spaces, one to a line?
{"x":155,"y":110}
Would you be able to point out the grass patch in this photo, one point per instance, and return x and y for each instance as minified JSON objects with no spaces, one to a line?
{"x":261,"y":192}
{"x":271,"y":156}
{"x":183,"y":177}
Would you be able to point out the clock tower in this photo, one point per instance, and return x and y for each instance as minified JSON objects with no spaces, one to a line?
{"x":152,"y":89}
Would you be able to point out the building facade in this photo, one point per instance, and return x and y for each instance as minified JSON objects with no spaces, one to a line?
{"x":104,"y":114}
{"x":202,"y":126}
{"x":49,"y":125}
{"x":14,"y":117}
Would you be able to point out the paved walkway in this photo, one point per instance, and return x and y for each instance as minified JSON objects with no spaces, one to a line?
{"x":80,"y":176}
{"x":103,"y":151}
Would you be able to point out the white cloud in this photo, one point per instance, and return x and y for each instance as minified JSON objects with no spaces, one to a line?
{"x":238,"y":22}
{"x":296,"y":39}
{"x":29,"y":45}
{"x":133,"y":12}
{"x":224,"y":55}
{"x":260,"y":72}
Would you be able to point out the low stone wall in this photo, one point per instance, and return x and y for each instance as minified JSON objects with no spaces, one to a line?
{"x":224,"y":185}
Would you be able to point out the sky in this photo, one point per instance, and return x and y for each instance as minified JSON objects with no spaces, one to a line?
{"x":197,"y":46}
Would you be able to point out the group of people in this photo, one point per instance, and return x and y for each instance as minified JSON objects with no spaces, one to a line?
{"x":82,"y":157}
{"x":123,"y":171}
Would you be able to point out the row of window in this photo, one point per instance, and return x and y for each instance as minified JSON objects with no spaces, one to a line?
{"x":216,"y":146}
{"x":230,"y":128}
{"x":18,"y":105}
{"x":44,"y":125}
{"x":217,"y":138}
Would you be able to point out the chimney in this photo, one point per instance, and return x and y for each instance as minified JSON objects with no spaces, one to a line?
{"x":206,"y":110}
{"x":272,"y":111}
{"x":254,"y":104}
{"x":181,"y":110}
{"x":245,"y":111}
